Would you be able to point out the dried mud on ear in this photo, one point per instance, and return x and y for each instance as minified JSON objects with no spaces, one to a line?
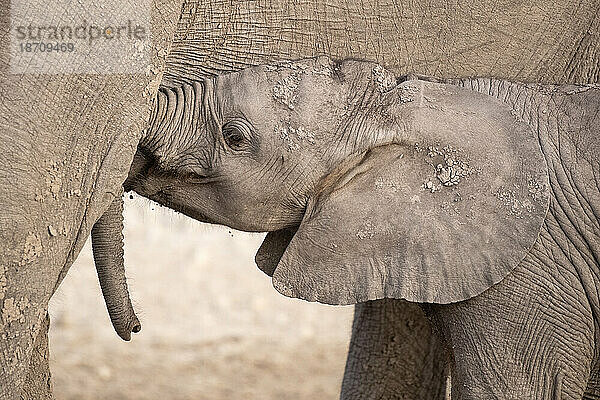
{"x":450,"y":165}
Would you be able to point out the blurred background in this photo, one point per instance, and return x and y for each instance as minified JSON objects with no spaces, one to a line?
{"x":213,"y":327}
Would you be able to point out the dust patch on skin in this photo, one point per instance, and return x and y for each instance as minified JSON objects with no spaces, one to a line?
{"x":285,"y":90}
{"x":432,"y":103}
{"x":294,"y":135}
{"x":415,"y":199}
{"x":536,"y":190}
{"x":291,"y":65}
{"x":31,"y":249}
{"x":14,"y":310}
{"x":450,"y":166}
{"x":52,"y":231}
{"x":59,"y":229}
{"x":73,"y":192}
{"x":367,"y":231}
{"x":3,"y":281}
{"x":429,"y":185}
{"x":153,"y":85}
{"x":516,"y":207}
{"x":407,"y":93}
{"x":54,"y":180}
{"x":156,"y":73}
{"x":382,"y":183}
{"x":385,"y":80}
{"x":450,"y":205}
{"x":64,"y":228}
{"x":517,"y":116}
{"x":25,"y":313}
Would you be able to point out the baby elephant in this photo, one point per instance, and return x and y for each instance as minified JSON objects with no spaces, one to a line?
{"x":478,"y":199}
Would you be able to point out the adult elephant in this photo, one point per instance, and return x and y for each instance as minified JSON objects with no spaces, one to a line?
{"x":67,"y":139}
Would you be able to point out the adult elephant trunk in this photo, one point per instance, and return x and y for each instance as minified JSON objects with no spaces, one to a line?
{"x":107,"y":246}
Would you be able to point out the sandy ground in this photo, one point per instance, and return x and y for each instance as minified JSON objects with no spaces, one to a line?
{"x":213,"y":327}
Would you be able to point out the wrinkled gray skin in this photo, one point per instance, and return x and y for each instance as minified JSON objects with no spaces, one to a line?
{"x":66,"y":146}
{"x":94,"y":151}
{"x":272,"y":148}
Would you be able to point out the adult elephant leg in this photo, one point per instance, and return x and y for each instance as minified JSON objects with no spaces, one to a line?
{"x":37,"y":383}
{"x":394,"y":354}
{"x":66,"y":144}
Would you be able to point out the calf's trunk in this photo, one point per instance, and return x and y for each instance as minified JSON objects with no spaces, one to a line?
{"x":107,"y":246}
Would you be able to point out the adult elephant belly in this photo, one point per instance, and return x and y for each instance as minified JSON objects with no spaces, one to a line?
{"x":219,"y":36}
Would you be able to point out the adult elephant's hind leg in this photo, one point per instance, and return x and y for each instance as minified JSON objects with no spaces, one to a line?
{"x":393,"y":354}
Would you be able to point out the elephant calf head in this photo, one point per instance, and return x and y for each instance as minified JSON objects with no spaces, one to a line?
{"x":369,"y":186}
{"x":247,"y":149}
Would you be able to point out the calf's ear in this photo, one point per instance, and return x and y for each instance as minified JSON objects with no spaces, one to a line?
{"x":439,"y":217}
{"x":273,"y":246}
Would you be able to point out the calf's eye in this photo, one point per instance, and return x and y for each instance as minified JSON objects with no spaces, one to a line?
{"x":236,"y":133}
